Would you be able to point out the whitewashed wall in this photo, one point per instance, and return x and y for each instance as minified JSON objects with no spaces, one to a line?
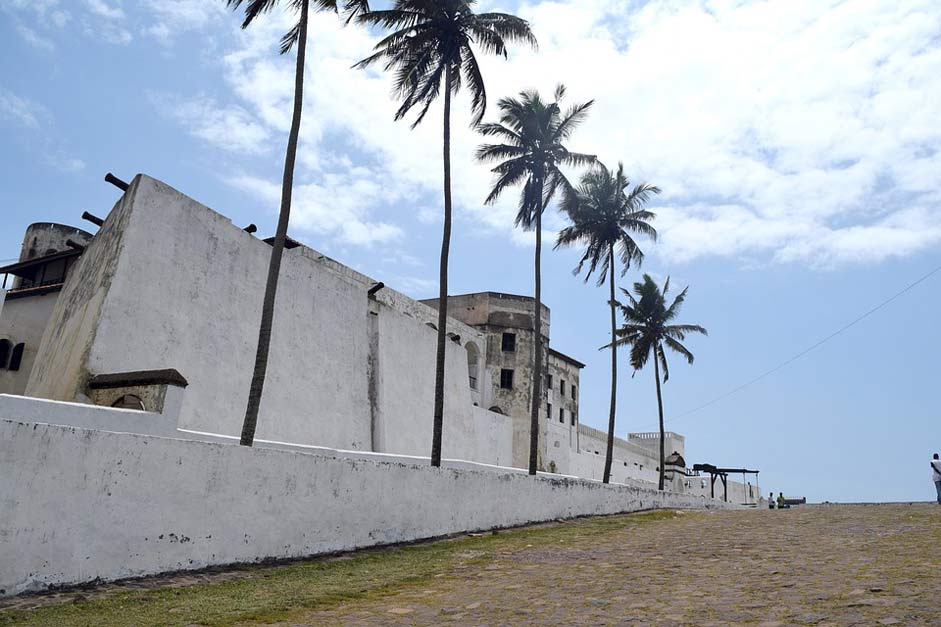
{"x":169,"y":283}
{"x":81,"y":505}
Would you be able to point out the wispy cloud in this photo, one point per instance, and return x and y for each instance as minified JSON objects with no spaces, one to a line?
{"x":19,"y":110}
{"x":790,"y":131}
{"x":230,"y":127}
{"x":339,"y":207}
{"x":105,"y":10}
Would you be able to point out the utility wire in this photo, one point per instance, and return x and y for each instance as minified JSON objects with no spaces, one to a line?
{"x":791,"y":360}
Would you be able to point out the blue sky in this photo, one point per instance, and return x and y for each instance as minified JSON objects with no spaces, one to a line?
{"x":797,"y":144}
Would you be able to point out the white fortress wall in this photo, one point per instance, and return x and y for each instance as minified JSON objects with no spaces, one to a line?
{"x":169,"y":283}
{"x":82,"y":505}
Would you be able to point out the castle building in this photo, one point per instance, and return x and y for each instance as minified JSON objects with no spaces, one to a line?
{"x":158,"y":311}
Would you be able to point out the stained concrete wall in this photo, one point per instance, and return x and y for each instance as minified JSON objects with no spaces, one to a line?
{"x":81,"y":505}
{"x":169,"y":283}
{"x":24,"y":321}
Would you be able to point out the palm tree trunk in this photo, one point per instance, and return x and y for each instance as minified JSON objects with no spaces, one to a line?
{"x":277,"y":250}
{"x":656,"y":373}
{"x":609,"y":453}
{"x":443,"y":280}
{"x":537,"y":357}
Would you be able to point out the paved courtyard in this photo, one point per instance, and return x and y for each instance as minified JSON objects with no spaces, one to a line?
{"x":847,"y":565}
{"x":825,"y":565}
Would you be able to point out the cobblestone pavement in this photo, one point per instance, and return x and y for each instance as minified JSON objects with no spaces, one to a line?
{"x":824,"y":566}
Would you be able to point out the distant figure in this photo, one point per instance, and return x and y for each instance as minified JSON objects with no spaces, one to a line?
{"x":936,"y":475}
{"x":771,"y":500}
{"x":782,"y":504}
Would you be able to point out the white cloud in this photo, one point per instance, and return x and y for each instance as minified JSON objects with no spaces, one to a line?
{"x":230,"y":128}
{"x":338,"y":207}
{"x":172,"y":17}
{"x":783,"y":130}
{"x":19,"y":110}
{"x":105,"y":10}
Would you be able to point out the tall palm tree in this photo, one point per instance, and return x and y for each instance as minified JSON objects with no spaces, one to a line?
{"x":605,"y":213}
{"x":647,"y":329}
{"x":297,"y":34}
{"x":534,"y":133}
{"x":432,"y":46}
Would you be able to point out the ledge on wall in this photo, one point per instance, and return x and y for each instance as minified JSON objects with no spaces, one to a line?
{"x":168,"y":376}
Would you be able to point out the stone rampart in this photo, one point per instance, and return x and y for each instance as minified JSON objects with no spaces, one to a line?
{"x":81,"y":505}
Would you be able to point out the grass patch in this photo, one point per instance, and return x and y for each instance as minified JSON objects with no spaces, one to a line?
{"x":274,"y":593}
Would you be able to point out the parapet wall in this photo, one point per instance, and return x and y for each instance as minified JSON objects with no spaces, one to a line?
{"x":81,"y":505}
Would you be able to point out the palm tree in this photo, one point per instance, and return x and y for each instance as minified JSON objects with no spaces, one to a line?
{"x":432,"y":46}
{"x":298,"y":35}
{"x":646,"y":329}
{"x":604,"y":213}
{"x":534,"y":133}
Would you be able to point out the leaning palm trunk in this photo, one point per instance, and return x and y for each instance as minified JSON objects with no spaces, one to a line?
{"x":609,"y":453}
{"x":277,"y":250}
{"x":443,"y":281}
{"x":656,"y":374}
{"x":537,"y":350}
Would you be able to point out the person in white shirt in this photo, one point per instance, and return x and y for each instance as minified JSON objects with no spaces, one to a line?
{"x":936,"y":475}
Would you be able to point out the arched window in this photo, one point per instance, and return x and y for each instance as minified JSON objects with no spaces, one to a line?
{"x":129,"y":401}
{"x":5,"y":348}
{"x":16,"y":357}
{"x":473,"y":358}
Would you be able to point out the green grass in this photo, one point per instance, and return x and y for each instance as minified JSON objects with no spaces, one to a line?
{"x":276,"y":593}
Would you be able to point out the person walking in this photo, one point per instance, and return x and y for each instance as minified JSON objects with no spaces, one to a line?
{"x":936,"y":475}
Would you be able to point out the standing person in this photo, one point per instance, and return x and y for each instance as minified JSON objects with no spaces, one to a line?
{"x":936,"y":475}
{"x":781,"y":503}
{"x":771,"y":500}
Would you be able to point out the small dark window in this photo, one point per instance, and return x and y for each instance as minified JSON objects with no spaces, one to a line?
{"x":562,"y":387}
{"x":562,"y":415}
{"x":549,"y":412}
{"x":548,"y":381}
{"x":573,"y":418}
{"x":129,"y":401}
{"x":509,"y":342}
{"x":17,"y":356}
{"x":5,"y":348}
{"x":506,"y":379}
{"x":573,"y":391}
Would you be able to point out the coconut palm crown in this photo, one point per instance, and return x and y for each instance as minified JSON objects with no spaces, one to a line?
{"x":605,"y":214}
{"x":533,"y":133}
{"x":432,"y":47}
{"x":254,"y":8}
{"x":647,"y":329}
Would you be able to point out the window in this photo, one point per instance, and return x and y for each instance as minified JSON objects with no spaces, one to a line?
{"x":473,"y":357}
{"x":129,"y":401}
{"x":17,"y":357}
{"x":548,"y":382}
{"x":549,"y":412}
{"x":573,"y":418}
{"x":509,"y":342}
{"x":573,"y":391}
{"x":562,"y":415}
{"x":562,"y":387}
{"x":506,"y":379}
{"x":5,"y":348}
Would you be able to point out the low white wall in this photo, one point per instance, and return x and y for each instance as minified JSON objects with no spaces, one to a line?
{"x":80,"y":505}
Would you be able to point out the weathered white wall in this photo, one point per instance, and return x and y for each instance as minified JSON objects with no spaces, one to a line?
{"x":406,"y":396}
{"x":80,"y":505}
{"x":169,"y":283}
{"x":24,"y":320}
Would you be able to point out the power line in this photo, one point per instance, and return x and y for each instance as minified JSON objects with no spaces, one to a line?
{"x":845,"y":327}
